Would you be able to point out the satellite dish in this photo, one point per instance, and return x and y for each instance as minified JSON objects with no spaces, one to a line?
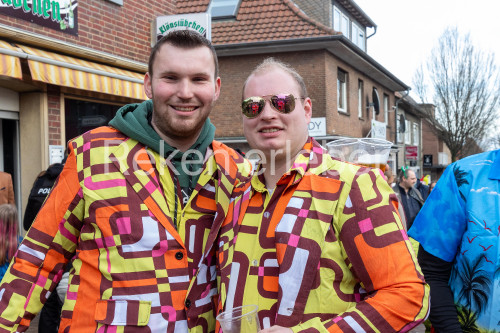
{"x":402,"y":123}
{"x":375,"y":101}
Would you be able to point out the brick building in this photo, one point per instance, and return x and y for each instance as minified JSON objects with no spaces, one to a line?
{"x":436,"y":155}
{"x":325,"y":41}
{"x":65,"y":67}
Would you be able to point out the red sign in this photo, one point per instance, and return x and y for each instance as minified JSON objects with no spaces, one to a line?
{"x":411,"y":153}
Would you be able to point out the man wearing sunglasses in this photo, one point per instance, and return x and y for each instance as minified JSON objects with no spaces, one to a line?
{"x":134,"y":208}
{"x":316,"y":243}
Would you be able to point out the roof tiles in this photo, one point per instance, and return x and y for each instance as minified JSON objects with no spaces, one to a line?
{"x":192,"y":6}
{"x":260,"y":20}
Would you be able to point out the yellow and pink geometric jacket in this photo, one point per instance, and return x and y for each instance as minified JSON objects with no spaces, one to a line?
{"x":111,"y":213}
{"x":325,"y":251}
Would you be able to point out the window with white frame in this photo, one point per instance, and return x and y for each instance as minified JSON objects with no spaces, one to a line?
{"x":386,"y":109}
{"x":223,"y":8}
{"x":408,"y":132}
{"x":398,"y":128}
{"x":341,"y":22}
{"x":360,"y":98}
{"x":416,"y":134}
{"x":342,"y":91}
{"x":358,"y":36}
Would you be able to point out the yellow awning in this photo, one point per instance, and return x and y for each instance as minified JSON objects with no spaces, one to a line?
{"x":58,"y":69}
{"x":10,"y":65}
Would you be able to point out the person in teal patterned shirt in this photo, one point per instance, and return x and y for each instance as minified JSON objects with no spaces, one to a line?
{"x":459,"y":233}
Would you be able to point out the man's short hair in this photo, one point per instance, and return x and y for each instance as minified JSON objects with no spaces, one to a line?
{"x":186,"y":39}
{"x":271,"y":62}
{"x":403,"y":172}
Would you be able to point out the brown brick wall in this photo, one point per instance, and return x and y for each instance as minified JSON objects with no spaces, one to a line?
{"x":430,"y":143}
{"x":319,"y":69}
{"x":120,"y":30}
{"x":350,"y":124}
{"x":54,"y":116}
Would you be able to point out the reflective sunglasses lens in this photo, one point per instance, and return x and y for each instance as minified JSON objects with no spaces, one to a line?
{"x":284,"y":103}
{"x":252,"y":106}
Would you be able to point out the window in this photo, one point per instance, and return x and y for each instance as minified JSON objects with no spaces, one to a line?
{"x":118,"y":2}
{"x":386,"y":109}
{"x":82,"y":116}
{"x":360,"y":99}
{"x":340,"y":22}
{"x":375,"y":103}
{"x":399,"y":129}
{"x":342,"y":91}
{"x":223,"y":8}
{"x":408,"y":132}
{"x":351,"y":29}
{"x":416,"y":134}
{"x":358,"y":36}
{"x":337,"y":14}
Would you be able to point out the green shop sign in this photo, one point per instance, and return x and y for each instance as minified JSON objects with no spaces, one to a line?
{"x":55,"y":14}
{"x":199,"y":22}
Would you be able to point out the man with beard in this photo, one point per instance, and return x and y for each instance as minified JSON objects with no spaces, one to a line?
{"x":133,"y":209}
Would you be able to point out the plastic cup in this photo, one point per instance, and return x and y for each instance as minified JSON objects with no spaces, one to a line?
{"x":370,"y":152}
{"x":242,"y":319}
{"x":376,"y":152}
{"x":346,"y":149}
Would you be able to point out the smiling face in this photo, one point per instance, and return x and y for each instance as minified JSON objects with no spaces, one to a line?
{"x":272,"y":131}
{"x":183,"y":90}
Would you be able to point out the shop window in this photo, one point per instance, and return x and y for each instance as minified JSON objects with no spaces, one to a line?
{"x":82,"y":116}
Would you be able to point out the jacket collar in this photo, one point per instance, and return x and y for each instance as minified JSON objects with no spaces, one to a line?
{"x":134,"y":162}
{"x":313,"y":158}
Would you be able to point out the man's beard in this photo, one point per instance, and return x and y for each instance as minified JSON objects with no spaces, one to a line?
{"x":176,"y":130}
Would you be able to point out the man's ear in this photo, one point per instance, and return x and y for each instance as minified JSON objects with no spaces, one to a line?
{"x":217,"y":88}
{"x":148,"y":85}
{"x":308,"y":109}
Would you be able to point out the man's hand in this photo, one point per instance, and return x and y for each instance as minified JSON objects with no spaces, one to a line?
{"x":276,"y":329}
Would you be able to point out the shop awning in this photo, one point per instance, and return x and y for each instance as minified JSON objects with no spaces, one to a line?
{"x":9,"y":65}
{"x":62,"y":70}
{"x":58,"y":69}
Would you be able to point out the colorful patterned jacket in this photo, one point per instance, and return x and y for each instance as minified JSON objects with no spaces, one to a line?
{"x":324,"y":252}
{"x":111,"y":212}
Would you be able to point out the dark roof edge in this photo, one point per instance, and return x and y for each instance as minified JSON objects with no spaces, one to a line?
{"x":362,"y":13}
{"x":305,"y":44}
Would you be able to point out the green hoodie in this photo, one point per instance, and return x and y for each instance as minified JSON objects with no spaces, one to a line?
{"x":134,"y":120}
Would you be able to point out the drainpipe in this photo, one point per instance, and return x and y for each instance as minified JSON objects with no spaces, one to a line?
{"x":374,"y":32}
